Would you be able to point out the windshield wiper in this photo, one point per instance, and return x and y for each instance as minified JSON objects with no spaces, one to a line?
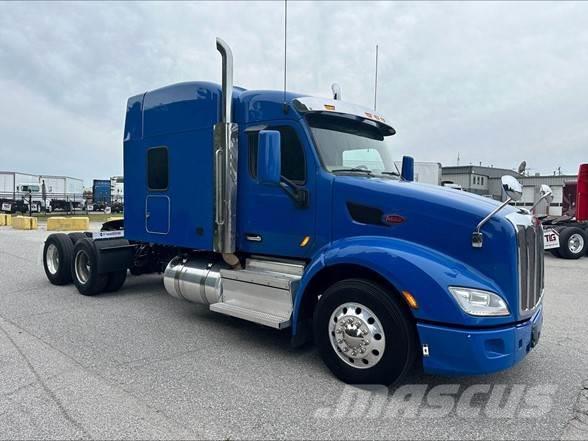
{"x":390,"y":173}
{"x":354,"y":169}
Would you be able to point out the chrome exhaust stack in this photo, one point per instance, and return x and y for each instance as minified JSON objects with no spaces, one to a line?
{"x":225,"y":161}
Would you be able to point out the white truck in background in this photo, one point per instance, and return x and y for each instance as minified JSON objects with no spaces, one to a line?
{"x":18,"y":190}
{"x":425,"y":172}
{"x":23,"y":192}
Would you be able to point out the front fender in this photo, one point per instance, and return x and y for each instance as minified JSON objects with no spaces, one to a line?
{"x":423,"y":272}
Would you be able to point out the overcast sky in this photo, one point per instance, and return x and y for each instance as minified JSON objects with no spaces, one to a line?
{"x":496,"y":82}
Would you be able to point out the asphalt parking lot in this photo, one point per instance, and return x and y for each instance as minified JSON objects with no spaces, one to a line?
{"x":140,"y":364}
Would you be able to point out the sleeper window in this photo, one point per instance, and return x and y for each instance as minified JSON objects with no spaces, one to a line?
{"x":157,"y":168}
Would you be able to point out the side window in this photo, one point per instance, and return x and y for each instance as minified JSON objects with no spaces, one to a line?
{"x":293,"y":165}
{"x":157,"y":168}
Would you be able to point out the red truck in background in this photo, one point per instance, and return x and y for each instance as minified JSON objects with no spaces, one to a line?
{"x":566,"y":236}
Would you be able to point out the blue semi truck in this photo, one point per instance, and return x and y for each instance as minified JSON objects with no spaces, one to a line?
{"x":287,"y":210}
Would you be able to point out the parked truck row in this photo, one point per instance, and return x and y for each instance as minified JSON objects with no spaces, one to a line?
{"x":287,"y":210}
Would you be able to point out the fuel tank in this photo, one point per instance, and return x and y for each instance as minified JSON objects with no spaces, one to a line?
{"x":196,"y":280}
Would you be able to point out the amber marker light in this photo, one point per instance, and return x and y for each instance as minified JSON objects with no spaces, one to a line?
{"x":410,"y":300}
{"x":305,"y":241}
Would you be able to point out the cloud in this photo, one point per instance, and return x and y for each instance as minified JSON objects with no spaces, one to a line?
{"x":496,"y":82}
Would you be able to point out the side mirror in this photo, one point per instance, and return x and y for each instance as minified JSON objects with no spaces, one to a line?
{"x":512,"y":187}
{"x":407,"y":172}
{"x":269,"y":157}
{"x":546,"y":193}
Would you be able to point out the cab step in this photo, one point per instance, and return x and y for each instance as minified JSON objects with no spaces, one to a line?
{"x":263,"y":318}
{"x":262,"y":292}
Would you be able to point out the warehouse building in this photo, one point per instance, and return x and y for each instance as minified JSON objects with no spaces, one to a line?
{"x":485,"y":181}
{"x":473,"y":178}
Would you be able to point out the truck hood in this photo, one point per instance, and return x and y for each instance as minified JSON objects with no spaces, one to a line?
{"x":440,"y":218}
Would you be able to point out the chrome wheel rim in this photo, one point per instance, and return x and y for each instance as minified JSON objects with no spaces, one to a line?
{"x":357,"y":335}
{"x":576,"y":243}
{"x":52,"y":259}
{"x":82,"y":267}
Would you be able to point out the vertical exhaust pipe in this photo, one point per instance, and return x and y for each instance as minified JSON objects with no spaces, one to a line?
{"x":227,"y":79}
{"x":225,"y":161}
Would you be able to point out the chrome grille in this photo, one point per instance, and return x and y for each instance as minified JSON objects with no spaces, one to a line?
{"x":530,"y":243}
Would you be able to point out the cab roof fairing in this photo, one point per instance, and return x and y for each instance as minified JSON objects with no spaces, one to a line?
{"x":309,"y":104}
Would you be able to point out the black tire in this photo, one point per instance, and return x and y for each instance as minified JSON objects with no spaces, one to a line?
{"x":84,"y":269}
{"x":115,"y":281}
{"x":58,"y":270}
{"x":399,"y":348}
{"x":74,"y":237}
{"x":567,"y":238}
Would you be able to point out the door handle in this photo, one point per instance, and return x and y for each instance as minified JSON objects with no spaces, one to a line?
{"x":253,"y":237}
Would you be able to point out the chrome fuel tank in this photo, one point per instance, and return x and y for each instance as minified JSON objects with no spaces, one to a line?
{"x":194,"y":280}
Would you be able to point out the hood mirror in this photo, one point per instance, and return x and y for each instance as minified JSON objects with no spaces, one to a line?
{"x":544,"y":194}
{"x":514,"y":192}
{"x":512,"y":187}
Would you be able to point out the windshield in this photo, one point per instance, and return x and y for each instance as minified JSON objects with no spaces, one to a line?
{"x":31,"y":188}
{"x":349,"y":145}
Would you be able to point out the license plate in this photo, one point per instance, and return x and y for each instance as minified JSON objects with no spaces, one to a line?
{"x":6,"y":207}
{"x":550,"y":239}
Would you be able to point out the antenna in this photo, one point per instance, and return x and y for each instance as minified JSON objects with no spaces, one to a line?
{"x":285,"y":50}
{"x":376,"y":80}
{"x":336,"y":89}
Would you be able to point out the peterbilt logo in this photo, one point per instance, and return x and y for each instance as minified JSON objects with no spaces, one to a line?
{"x":392,"y":219}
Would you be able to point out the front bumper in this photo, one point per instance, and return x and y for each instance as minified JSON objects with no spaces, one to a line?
{"x":454,"y":351}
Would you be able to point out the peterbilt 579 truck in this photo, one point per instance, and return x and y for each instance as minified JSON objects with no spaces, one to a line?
{"x":261,"y":205}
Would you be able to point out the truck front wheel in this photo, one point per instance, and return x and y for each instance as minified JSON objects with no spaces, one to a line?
{"x":363,"y":334}
{"x":572,"y":243}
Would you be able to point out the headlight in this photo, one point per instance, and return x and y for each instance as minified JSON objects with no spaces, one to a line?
{"x":479,"y":303}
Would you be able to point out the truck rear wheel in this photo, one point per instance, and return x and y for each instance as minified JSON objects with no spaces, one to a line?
{"x":572,"y":243}
{"x":84,"y":269}
{"x":363,"y":334}
{"x":74,"y":237}
{"x":115,"y":281}
{"x":57,"y":255}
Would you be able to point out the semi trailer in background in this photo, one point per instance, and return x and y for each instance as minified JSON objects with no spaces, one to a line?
{"x":63,"y":192}
{"x":287,"y":210}
{"x":425,"y":172}
{"x":567,"y":235}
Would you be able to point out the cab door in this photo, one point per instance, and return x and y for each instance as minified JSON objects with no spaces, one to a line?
{"x":270,"y":220}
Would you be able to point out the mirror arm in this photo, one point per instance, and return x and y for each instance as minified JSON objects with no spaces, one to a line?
{"x":297,"y":193}
{"x":538,"y":200}
{"x":477,"y":236}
